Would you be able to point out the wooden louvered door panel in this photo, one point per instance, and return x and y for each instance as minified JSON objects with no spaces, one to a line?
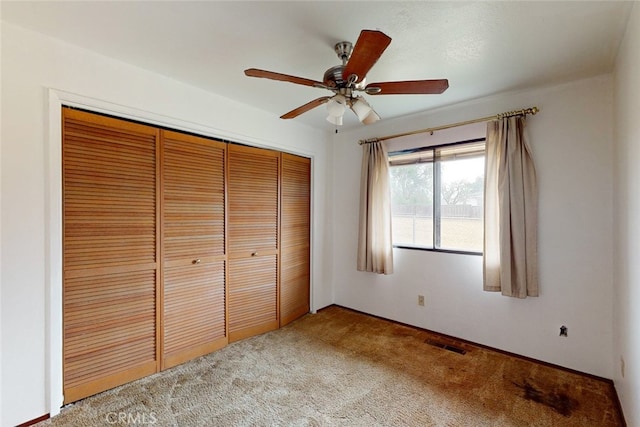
{"x":294,"y":237}
{"x":193,"y":212}
{"x":253,"y":191}
{"x":110,"y":248}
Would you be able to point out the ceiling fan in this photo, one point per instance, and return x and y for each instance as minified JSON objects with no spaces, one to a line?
{"x":349,"y":78}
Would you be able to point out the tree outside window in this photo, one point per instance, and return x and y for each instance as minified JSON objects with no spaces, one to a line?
{"x":437,"y":197}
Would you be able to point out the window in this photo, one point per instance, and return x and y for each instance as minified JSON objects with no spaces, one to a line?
{"x":437,"y":196}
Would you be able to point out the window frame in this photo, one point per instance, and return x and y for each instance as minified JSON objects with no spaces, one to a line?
{"x":437,"y":188}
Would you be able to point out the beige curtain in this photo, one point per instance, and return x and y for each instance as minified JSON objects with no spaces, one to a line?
{"x":375,"y":249}
{"x":510,"y":261}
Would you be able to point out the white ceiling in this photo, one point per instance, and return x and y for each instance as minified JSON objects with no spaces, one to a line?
{"x":481,"y":47}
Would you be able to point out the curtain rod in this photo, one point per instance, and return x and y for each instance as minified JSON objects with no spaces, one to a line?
{"x":523,"y":112}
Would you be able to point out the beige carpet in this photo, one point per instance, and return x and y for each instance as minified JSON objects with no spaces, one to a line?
{"x":342,"y":368}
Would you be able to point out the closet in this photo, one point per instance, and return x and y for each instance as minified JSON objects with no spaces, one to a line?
{"x":193,"y":246}
{"x":173,"y":246}
{"x":110,"y":253}
{"x":253,"y":240}
{"x":294,"y":241}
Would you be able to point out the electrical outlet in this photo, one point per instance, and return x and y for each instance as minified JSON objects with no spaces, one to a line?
{"x":622,"y":366}
{"x":421,"y":300}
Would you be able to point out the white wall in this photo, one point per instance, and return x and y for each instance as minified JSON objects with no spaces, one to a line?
{"x":627,"y":220}
{"x":571,"y":140}
{"x":31,"y":64}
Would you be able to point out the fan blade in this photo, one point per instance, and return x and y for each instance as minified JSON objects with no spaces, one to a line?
{"x":254,"y":72}
{"x":366,"y":52}
{"x":408,"y":87}
{"x":306,"y":107}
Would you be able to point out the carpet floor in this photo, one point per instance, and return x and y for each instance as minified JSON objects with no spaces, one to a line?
{"x":343,"y":368}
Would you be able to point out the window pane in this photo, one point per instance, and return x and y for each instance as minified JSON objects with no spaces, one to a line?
{"x":461,"y":210}
{"x":412,"y":204}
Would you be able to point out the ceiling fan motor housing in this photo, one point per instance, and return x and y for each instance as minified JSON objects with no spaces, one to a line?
{"x":333,"y":77}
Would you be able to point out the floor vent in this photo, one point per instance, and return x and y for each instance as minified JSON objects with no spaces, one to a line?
{"x":446,"y":346}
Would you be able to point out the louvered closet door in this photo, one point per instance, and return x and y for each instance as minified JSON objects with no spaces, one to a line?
{"x":253,"y":241}
{"x":110,"y":246}
{"x":294,"y":240}
{"x":193,"y":229}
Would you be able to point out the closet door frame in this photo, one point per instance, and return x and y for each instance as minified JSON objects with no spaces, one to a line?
{"x":55,"y":100}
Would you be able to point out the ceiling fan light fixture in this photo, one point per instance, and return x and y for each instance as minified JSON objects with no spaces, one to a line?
{"x":372,"y":117}
{"x":336,"y":120}
{"x":336,"y":106}
{"x":363,"y":110}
